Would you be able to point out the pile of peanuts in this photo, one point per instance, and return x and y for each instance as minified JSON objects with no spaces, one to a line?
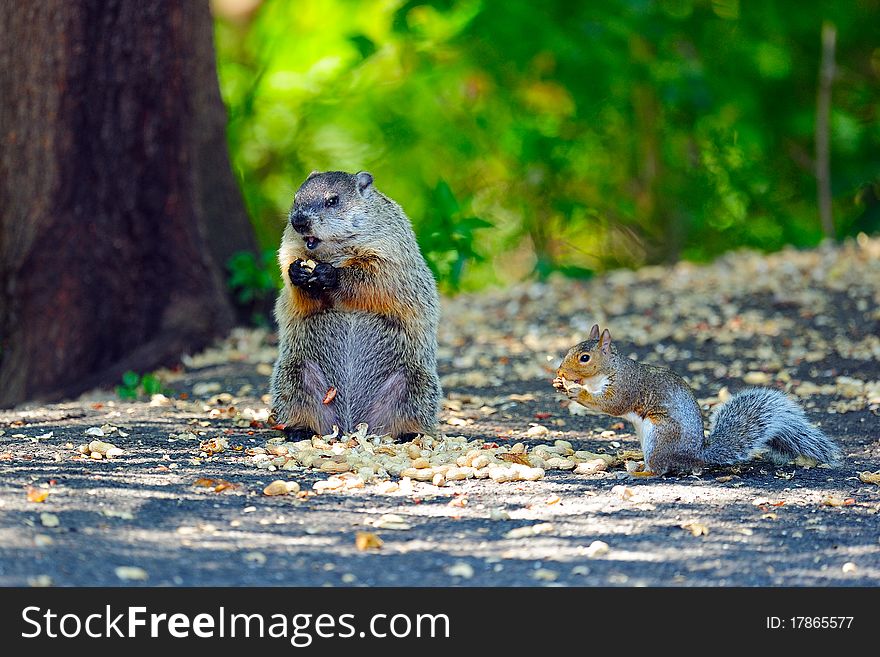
{"x":353,"y":460}
{"x":98,"y":449}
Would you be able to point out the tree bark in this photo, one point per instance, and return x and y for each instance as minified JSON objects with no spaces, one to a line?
{"x":118,"y":207}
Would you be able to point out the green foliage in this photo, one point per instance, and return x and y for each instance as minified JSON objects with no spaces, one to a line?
{"x":447,"y":236}
{"x":584,"y":135}
{"x":250,"y":278}
{"x":134,"y":385}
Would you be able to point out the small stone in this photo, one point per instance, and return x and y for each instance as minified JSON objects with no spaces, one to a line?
{"x":255,"y":557}
{"x":597,"y":549}
{"x":49,"y":520}
{"x":40,"y":581}
{"x":460,"y":569}
{"x":498,"y":513}
{"x":131,"y":573}
{"x":279,"y":487}
{"x":545,"y":575}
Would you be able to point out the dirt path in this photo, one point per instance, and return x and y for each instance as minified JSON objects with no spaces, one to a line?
{"x":807,"y":322}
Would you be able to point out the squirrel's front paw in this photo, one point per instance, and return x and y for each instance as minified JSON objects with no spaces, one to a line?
{"x":567,"y":387}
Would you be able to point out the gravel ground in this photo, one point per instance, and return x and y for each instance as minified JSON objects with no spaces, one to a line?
{"x":806,"y":322}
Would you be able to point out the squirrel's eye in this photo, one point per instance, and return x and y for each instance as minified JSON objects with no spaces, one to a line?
{"x":330,"y":201}
{"x":585,"y":358}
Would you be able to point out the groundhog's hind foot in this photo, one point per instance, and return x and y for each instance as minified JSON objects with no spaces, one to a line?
{"x":299,"y":433}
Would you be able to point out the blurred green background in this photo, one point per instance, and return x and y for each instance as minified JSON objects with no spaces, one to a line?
{"x":524,"y":138}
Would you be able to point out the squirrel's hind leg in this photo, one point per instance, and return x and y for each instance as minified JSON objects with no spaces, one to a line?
{"x":665,"y":448}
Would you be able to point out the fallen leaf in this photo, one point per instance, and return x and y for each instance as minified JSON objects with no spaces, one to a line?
{"x":870,"y":477}
{"x":838,"y":501}
{"x":218,"y":485}
{"x":214,"y":445}
{"x":696,"y":528}
{"x":37,"y":494}
{"x":522,"y":459}
{"x":367,"y":541}
{"x":763,"y":501}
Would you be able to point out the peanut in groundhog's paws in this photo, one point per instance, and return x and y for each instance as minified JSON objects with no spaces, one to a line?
{"x":308,"y":265}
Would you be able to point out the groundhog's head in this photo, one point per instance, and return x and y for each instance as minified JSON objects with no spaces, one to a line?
{"x":331,"y":208}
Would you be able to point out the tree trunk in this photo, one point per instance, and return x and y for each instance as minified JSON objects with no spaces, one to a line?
{"x":118,"y":207}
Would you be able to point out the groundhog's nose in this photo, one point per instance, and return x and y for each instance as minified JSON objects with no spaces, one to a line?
{"x":300,"y":222}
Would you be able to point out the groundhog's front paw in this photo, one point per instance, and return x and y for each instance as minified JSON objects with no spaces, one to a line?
{"x":301,"y":272}
{"x":326,"y":276}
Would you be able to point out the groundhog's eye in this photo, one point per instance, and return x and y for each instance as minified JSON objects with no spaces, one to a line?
{"x":331,"y":201}
{"x":585,"y":358}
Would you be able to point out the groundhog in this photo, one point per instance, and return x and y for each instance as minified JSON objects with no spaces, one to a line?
{"x":357,"y":317}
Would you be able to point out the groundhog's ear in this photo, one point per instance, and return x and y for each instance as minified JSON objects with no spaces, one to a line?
{"x":605,"y":342}
{"x":364,"y":181}
{"x":594,"y":332}
{"x":313,"y":174}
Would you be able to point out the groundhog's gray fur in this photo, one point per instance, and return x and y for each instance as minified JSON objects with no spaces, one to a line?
{"x":364,"y":322}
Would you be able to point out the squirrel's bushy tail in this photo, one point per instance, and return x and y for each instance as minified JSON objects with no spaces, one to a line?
{"x":764,"y":421}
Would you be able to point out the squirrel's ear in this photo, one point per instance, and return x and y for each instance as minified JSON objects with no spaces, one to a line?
{"x":364,"y":181}
{"x":605,"y":342}
{"x":312,"y":174}
{"x":594,"y":332}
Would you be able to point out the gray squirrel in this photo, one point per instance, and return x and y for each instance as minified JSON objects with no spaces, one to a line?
{"x":667,"y":417}
{"x":357,"y":316}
